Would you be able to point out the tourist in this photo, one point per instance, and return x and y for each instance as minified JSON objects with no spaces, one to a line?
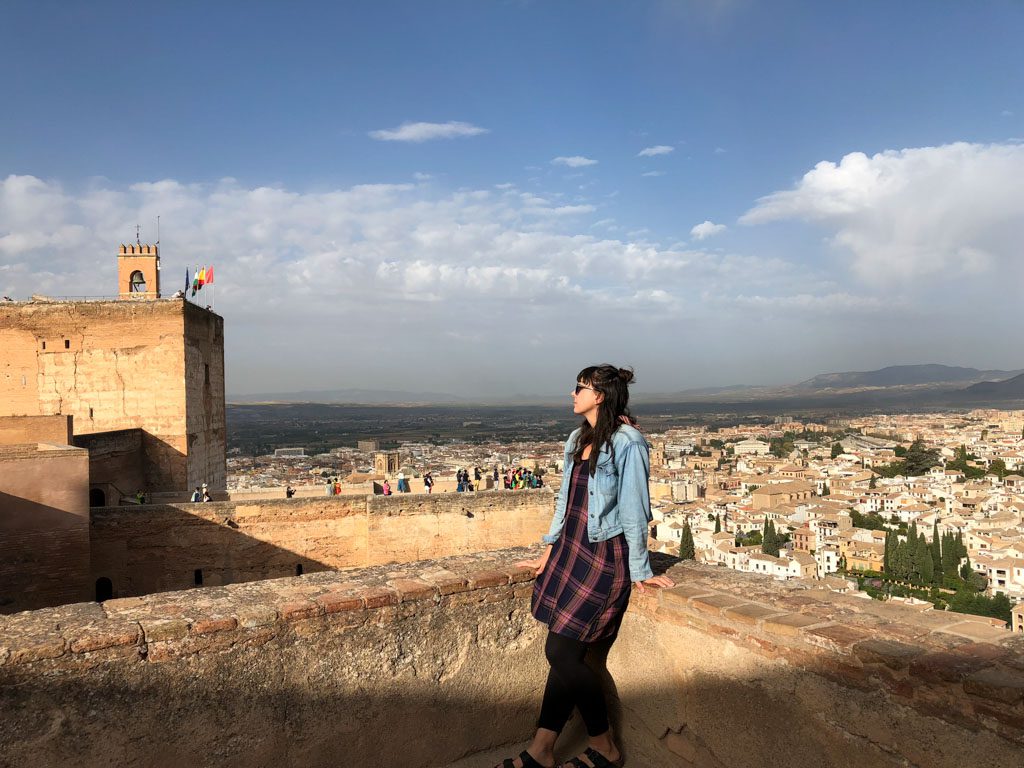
{"x":337,"y":487}
{"x":140,"y":496}
{"x":330,"y":487}
{"x":206,"y":494}
{"x":385,"y":488}
{"x":289,"y":491}
{"x":403,"y":484}
{"x":428,"y":482}
{"x":596,"y":550}
{"x":197,"y":494}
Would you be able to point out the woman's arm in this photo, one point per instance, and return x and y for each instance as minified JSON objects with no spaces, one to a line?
{"x":634,"y":503}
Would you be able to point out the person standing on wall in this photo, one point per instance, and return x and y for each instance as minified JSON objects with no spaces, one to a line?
{"x":596,"y":551}
{"x":428,"y":482}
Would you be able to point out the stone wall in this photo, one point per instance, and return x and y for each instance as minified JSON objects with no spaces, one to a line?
{"x":153,"y":548}
{"x":15,"y":430}
{"x":439,"y":664}
{"x":116,"y":365}
{"x":204,"y":396}
{"x":44,"y":526}
{"x":117,"y":464}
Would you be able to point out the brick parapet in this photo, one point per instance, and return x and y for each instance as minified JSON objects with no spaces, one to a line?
{"x":948,"y":666}
{"x":960,"y":668}
{"x":170,"y":625}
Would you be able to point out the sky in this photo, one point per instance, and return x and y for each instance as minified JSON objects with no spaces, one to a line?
{"x":482,"y":198}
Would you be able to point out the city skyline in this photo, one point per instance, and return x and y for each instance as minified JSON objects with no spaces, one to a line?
{"x":474,"y":199}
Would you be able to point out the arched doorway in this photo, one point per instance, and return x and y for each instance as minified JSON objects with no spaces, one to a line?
{"x":97,"y":497}
{"x":104,"y":589}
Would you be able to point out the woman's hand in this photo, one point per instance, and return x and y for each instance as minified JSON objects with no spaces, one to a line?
{"x":658,"y":581}
{"x":539,"y":564}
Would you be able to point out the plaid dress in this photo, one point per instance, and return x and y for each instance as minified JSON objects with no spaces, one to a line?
{"x":585,"y":587}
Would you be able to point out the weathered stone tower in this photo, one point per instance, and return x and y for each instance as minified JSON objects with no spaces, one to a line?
{"x":138,"y":272}
{"x":142,"y":379}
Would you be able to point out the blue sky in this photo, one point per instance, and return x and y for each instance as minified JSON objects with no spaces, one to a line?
{"x":258,"y":132}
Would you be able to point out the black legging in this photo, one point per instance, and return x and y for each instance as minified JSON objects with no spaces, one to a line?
{"x":571,"y":683}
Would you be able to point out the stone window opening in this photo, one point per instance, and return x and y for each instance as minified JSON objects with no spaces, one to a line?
{"x":44,"y":345}
{"x":67,"y":343}
{"x":137,"y":282}
{"x":90,"y":413}
{"x":206,"y":373}
{"x":104,"y":589}
{"x":298,"y":569}
{"x":198,"y":576}
{"x":97,"y":497}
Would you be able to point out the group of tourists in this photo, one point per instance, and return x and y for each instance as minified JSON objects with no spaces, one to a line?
{"x":520,"y":477}
{"x":201,"y":493}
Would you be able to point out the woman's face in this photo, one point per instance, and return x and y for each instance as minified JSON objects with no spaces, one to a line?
{"x":585,"y":399}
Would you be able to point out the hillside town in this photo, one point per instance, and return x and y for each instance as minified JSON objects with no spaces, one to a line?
{"x":835,"y":497}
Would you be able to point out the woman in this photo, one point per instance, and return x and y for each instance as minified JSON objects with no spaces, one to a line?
{"x":597,"y":548}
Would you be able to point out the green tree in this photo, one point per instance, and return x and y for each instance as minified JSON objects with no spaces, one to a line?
{"x":936,"y":552}
{"x":997,"y":467}
{"x":925,"y":567}
{"x":919,"y":459}
{"x":686,"y":548}
{"x":837,"y":449}
{"x":873,"y":483}
{"x":770,"y":540}
{"x":718,"y":524}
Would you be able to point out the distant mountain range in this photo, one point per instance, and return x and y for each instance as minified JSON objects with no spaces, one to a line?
{"x":1010,"y":389}
{"x":931,"y":383}
{"x":903,"y":376}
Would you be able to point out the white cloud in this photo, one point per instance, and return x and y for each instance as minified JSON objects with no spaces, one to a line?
{"x":653,"y":173}
{"x":422,"y":176}
{"x":417,"y":132}
{"x":576,"y":161}
{"x":707,"y":229}
{"x":946,"y":211}
{"x":660,"y":149}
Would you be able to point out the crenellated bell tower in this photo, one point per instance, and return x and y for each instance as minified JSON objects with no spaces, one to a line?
{"x":138,"y":272}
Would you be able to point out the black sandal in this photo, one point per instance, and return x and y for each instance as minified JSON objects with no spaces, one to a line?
{"x":525,"y":757}
{"x":598,"y":760}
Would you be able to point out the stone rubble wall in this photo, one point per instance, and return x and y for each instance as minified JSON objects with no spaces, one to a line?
{"x":428,"y":663}
{"x":153,"y":548}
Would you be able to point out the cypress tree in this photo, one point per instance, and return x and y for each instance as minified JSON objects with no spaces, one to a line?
{"x":686,"y":548}
{"x":924,"y":562}
{"x":770,"y":544}
{"x":718,"y":524}
{"x":887,"y":557}
{"x":936,"y":551}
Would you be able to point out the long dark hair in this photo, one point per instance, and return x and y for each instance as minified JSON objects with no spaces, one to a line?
{"x":613,"y":383}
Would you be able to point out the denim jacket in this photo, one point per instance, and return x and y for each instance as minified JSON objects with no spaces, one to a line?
{"x":618,"y":499}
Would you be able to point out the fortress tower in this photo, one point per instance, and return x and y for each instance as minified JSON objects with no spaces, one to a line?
{"x":142,"y":378}
{"x":138,"y":272}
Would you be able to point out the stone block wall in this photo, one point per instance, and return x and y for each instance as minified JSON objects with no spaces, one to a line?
{"x":15,"y":430}
{"x":116,"y":365}
{"x":153,"y":548}
{"x":438,"y":663}
{"x":44,"y":526}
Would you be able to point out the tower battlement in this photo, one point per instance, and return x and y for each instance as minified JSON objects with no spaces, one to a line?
{"x":143,"y":249}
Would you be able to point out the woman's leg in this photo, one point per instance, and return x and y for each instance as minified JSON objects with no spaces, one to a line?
{"x":566,"y":657}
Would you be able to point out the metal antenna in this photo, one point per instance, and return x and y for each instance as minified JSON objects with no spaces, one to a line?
{"x":158,"y":230}
{"x":137,"y":241}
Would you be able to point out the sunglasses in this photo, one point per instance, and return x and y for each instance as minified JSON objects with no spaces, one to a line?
{"x":581,"y":387}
